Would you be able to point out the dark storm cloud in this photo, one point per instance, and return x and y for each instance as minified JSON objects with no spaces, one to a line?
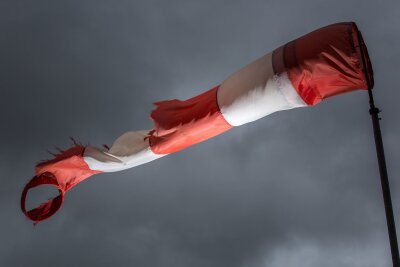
{"x":298,"y":188}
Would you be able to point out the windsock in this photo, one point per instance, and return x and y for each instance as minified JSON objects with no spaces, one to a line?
{"x":326,"y":62}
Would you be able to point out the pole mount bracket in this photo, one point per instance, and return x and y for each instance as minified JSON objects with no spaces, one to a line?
{"x":374,"y":110}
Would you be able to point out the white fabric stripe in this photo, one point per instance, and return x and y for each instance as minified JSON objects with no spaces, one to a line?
{"x":285,"y":86}
{"x":254,"y":92}
{"x":129,"y":150}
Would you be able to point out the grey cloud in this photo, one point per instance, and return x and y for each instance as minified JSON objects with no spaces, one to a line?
{"x":298,"y":188}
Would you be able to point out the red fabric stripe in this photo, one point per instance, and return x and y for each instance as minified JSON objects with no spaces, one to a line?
{"x":63,"y":172}
{"x":69,"y":167}
{"x":323,"y":63}
{"x":179,"y":124}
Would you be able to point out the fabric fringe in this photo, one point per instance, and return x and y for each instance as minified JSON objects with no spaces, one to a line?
{"x":61,"y":153}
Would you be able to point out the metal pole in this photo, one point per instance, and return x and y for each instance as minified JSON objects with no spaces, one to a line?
{"x":374,"y":111}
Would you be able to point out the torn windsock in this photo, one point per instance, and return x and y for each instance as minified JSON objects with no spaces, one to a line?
{"x":321,"y":64}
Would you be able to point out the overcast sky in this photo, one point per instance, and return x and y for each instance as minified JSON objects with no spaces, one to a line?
{"x":297,"y":188}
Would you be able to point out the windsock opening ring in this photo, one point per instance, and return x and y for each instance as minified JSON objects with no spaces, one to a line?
{"x":366,"y":61}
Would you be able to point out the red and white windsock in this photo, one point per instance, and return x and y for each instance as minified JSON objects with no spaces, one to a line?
{"x":303,"y":72}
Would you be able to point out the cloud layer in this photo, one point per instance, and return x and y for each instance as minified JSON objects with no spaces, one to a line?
{"x":298,"y":188}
